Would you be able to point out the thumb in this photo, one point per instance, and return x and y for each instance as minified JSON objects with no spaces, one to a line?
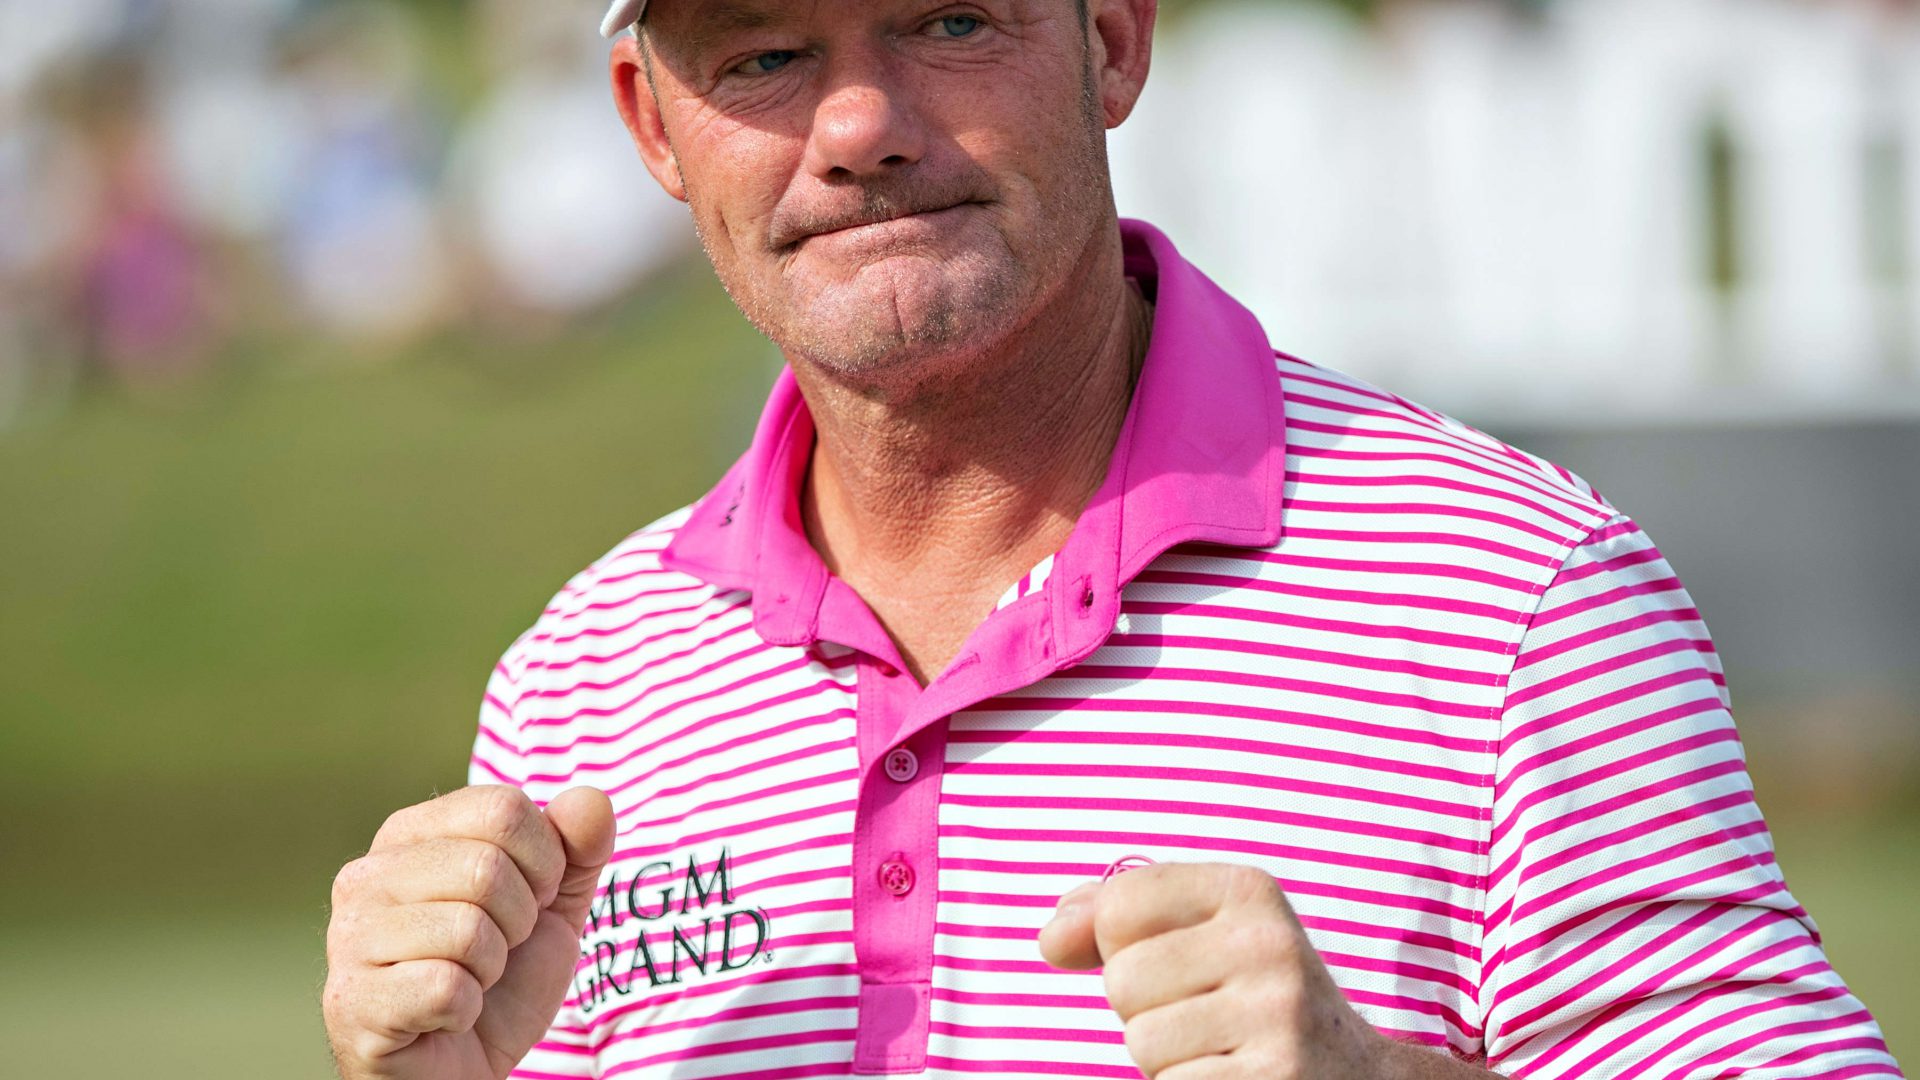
{"x":583,"y":817}
{"x":1068,"y":941}
{"x":523,"y":1003}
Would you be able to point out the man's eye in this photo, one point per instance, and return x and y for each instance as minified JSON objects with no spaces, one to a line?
{"x":956,"y":25}
{"x":766,"y":62}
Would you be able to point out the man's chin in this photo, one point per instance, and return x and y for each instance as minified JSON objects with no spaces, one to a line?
{"x":901,"y":309}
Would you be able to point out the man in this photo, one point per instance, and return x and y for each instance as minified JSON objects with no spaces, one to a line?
{"x":1053,"y":622}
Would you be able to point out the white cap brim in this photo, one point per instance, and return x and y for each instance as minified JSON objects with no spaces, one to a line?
{"x":622,"y":14}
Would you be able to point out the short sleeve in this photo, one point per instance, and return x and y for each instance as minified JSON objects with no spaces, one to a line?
{"x":500,"y":757}
{"x":497,"y":754}
{"x":1637,"y":925}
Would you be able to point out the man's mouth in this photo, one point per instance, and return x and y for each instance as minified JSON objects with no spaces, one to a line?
{"x":877,"y":223}
{"x":879,"y":219}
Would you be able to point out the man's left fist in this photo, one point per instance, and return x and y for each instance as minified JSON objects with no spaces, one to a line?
{"x":1213,"y":977}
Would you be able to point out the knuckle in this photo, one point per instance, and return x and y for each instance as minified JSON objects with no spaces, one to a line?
{"x":469,"y":932}
{"x":343,"y":932}
{"x":1122,"y":976}
{"x":334,"y":999}
{"x":1266,"y":942}
{"x":502,"y":812}
{"x":350,"y":882}
{"x":1113,"y":910}
{"x":396,"y":822}
{"x":1120,"y":890}
{"x":1143,"y":1038}
{"x":1250,"y":882}
{"x":487,"y":872}
{"x":1276,"y":999}
{"x":446,"y":984}
{"x":461,"y":1004}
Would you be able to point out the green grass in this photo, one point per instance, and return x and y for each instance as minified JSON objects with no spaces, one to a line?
{"x":233,"y":999}
{"x":1858,"y":880}
{"x":239,"y":623}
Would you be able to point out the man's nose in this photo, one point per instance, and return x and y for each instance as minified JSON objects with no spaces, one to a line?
{"x":864,"y":124}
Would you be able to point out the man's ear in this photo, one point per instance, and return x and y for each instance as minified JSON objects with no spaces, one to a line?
{"x":640,"y":111}
{"x":1122,"y":48}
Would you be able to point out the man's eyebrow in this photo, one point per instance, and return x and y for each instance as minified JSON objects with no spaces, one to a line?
{"x":720,"y":20}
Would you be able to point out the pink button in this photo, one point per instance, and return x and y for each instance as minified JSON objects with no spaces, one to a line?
{"x":902,"y":765}
{"x":886,"y":670}
{"x":896,"y":877}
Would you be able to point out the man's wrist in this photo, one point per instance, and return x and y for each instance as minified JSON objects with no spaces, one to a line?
{"x":1411,"y":1061}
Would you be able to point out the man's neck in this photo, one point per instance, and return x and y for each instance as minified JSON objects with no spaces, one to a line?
{"x":931,"y":499}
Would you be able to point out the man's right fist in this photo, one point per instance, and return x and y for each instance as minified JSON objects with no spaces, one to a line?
{"x":454,"y":938}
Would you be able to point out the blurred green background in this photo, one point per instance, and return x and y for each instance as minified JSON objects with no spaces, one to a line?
{"x":243,"y":624}
{"x":257,"y":557}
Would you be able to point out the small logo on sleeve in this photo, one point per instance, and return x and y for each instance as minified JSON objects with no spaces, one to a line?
{"x":664,"y":923}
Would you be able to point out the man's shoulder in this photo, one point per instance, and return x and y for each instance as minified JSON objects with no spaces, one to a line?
{"x":621,"y":589}
{"x":638,"y":553}
{"x":1354,"y":444}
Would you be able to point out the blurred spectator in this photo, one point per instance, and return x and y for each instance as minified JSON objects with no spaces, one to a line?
{"x":563,"y":215}
{"x":363,"y":246}
{"x":229,"y":118}
{"x":144,"y":296}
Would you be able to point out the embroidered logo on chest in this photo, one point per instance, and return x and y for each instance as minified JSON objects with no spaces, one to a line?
{"x":665,"y":922}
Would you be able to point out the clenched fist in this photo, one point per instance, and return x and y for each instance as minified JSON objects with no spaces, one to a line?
{"x":454,"y":938}
{"x":1214,"y":978}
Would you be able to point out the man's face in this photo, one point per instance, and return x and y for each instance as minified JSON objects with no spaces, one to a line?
{"x":884,"y":182}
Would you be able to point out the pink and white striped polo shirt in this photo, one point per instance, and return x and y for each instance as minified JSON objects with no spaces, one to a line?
{"x":1452,"y":700}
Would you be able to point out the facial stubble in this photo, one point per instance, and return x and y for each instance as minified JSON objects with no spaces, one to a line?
{"x":913,"y":325}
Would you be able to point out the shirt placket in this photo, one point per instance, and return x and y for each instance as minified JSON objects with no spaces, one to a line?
{"x":895,"y":871}
{"x":902,"y":738}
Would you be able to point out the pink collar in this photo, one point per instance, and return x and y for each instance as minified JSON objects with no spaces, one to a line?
{"x":1201,"y":458}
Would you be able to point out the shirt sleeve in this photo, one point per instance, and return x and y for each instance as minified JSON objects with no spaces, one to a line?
{"x":1637,"y":925}
{"x":499,"y":757}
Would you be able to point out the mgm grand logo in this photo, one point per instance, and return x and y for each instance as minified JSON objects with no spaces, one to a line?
{"x":663,"y":922}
